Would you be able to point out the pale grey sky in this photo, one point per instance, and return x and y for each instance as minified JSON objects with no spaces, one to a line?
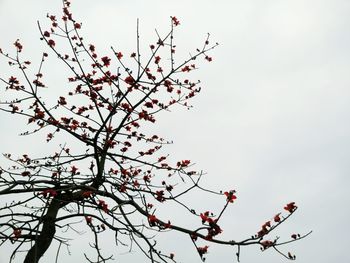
{"x":272,"y":120}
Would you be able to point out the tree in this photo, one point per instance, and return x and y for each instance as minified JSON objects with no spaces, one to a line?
{"x":106,"y":172}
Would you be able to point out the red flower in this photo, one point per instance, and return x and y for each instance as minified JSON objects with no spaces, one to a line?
{"x":88,"y":219}
{"x":157,"y":59}
{"x":62,"y":101}
{"x":129,"y":80}
{"x":46,"y":34}
{"x":102,"y":204}
{"x":147,"y":179}
{"x":266,"y":243}
{"x":202,"y":250}
{"x":73,"y":170}
{"x":186,"y":68}
{"x":92,"y":48}
{"x":277,"y":218}
{"x":291,"y":256}
{"x":153,"y":220}
{"x":49,"y":192}
{"x":160,"y":196}
{"x":77,"y":25}
{"x":119,"y":55}
{"x":17,"y":233}
{"x":25,"y":173}
{"x":176,"y":22}
{"x":290,"y":207}
{"x":183,"y":163}
{"x":106,"y":61}
{"x":167,"y":225}
{"x":263,"y":232}
{"x":266,"y":225}
{"x":18,"y":45}
{"x":149,"y":104}
{"x":13,"y":80}
{"x":230,"y":197}
{"x":194,"y":236}
{"x":51,"y":43}
{"x":208,"y":58}
{"x":205,"y":217}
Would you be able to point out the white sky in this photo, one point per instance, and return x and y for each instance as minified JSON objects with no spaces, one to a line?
{"x":272,"y":120}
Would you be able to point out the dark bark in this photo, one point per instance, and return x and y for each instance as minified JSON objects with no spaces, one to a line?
{"x":43,"y":241}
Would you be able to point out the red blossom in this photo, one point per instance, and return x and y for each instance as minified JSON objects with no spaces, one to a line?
{"x":106,"y":61}
{"x":17,"y":233}
{"x":186,"y":69}
{"x":39,"y":114}
{"x":202,"y":250}
{"x":167,"y":225}
{"x":77,"y":26}
{"x":267,"y":243}
{"x":262,"y":232}
{"x":62,"y":101}
{"x":153,"y":220}
{"x":18,"y":45}
{"x":46,"y":34}
{"x":14,"y":108}
{"x":266,"y":225}
{"x":208,"y":58}
{"x":183,"y":163}
{"x":49,"y":193}
{"x":102,"y":204}
{"x":291,"y":256}
{"x":149,"y":104}
{"x":25,"y":173}
{"x":129,"y":80}
{"x":13,"y":80}
{"x":205,"y":217}
{"x":277,"y":218}
{"x":157,"y":59}
{"x":290,"y":207}
{"x":92,"y":48}
{"x":119,"y":55}
{"x":88,"y":219}
{"x":160,"y":196}
{"x":51,"y":43}
{"x":176,"y":22}
{"x":230,"y":197}
{"x":74,"y":170}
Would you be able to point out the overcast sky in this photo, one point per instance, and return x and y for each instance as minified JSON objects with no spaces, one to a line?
{"x":272,"y":120}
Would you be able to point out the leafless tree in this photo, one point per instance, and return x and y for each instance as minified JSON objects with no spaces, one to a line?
{"x":109,"y":174}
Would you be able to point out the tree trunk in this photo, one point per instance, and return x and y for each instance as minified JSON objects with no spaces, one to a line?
{"x":43,"y":241}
